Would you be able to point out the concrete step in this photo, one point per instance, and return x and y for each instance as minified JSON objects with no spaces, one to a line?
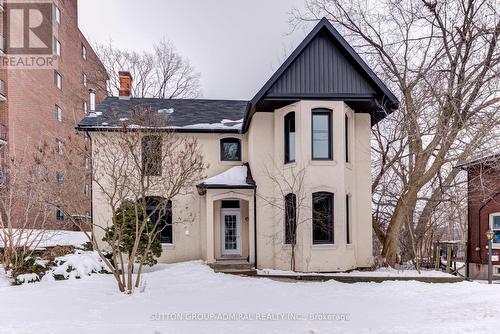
{"x":236,"y":267}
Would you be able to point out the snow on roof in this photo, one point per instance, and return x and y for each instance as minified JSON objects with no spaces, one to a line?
{"x":235,"y":176}
{"x":224,"y":124}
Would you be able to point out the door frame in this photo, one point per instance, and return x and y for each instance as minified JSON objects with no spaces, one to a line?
{"x":239,"y":245}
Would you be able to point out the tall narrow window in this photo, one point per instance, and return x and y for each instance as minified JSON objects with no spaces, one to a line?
{"x":57,"y":80}
{"x":92,"y":99}
{"x":346,"y":139}
{"x":84,"y":52}
{"x":151,"y":155}
{"x":57,"y":47}
{"x":230,"y":149}
{"x":290,"y":219}
{"x":290,"y":137}
{"x":159,"y":213}
{"x":59,"y":178}
{"x":84,"y":79}
{"x":321,"y":134}
{"x":58,"y":113}
{"x":57,"y":14}
{"x":59,"y":147}
{"x":84,"y":107}
{"x":322,"y":218}
{"x":348,"y":219}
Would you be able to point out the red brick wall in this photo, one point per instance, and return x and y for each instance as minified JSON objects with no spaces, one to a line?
{"x":483,"y":199}
{"x":32,"y":95}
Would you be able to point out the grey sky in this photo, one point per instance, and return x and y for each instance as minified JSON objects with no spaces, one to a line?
{"x":235,"y":44}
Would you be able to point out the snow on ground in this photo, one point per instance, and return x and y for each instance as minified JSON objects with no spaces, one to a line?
{"x":381,"y":272}
{"x":93,"y":305}
{"x":40,"y":239}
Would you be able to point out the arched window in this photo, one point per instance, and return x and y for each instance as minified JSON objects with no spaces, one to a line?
{"x":290,"y":137}
{"x":230,"y":149}
{"x":322,"y":218}
{"x":321,"y":134}
{"x":159,"y":212}
{"x":290,"y":219}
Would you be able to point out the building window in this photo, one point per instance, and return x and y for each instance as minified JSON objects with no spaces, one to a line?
{"x":57,"y":47}
{"x":87,"y":163}
{"x":58,"y":113}
{"x":230,"y":204}
{"x":348,"y":219}
{"x":59,"y":214}
{"x":151,"y":155}
{"x":59,"y":147}
{"x":59,"y":178}
{"x":290,"y":219}
{"x":84,"y":52}
{"x":346,"y":139}
{"x":57,"y":14}
{"x":321,"y":134}
{"x":230,"y":149}
{"x":322,"y":218}
{"x":86,"y":189}
{"x":84,"y":107}
{"x":159,"y":213}
{"x":84,"y":80}
{"x":290,"y":137}
{"x":57,"y":80}
{"x":92,"y":99}
{"x":495,"y":226}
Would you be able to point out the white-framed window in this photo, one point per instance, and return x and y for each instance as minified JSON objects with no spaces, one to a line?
{"x":57,"y":14}
{"x":92,"y":99}
{"x":495,"y":226}
{"x":86,"y":189}
{"x":87,"y":163}
{"x":84,"y":106}
{"x":57,"y":80}
{"x":58,"y":113}
{"x":84,"y":80}
{"x":57,"y":47}
{"x":84,"y":52}
{"x":59,"y":147}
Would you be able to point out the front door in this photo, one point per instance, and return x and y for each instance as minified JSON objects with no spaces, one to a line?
{"x":230,"y":232}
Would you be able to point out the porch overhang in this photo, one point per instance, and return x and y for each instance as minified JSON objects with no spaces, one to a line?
{"x":238,"y":177}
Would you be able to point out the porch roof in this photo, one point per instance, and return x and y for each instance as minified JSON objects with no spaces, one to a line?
{"x":238,"y":177}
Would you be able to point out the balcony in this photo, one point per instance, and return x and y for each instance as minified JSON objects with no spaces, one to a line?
{"x":3,"y":92}
{"x":3,"y":135}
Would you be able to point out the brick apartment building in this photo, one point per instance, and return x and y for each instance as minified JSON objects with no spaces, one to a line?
{"x":44,"y":105}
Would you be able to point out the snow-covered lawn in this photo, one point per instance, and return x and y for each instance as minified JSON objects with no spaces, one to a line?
{"x":381,"y":272}
{"x":191,"y":289}
{"x":41,"y":239}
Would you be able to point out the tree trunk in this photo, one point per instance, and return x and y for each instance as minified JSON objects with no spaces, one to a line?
{"x":402,"y":213}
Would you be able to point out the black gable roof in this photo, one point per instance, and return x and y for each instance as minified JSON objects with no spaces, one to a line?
{"x":190,"y":115}
{"x":325,"y":66}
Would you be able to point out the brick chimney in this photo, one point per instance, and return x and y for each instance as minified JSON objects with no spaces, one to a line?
{"x":125,"y":84}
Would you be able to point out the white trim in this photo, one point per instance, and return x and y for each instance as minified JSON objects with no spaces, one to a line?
{"x":494,"y":214}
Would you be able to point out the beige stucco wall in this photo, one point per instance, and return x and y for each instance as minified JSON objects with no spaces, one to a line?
{"x":262,"y":147}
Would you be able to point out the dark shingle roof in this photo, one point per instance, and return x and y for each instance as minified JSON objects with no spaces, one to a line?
{"x":190,"y":115}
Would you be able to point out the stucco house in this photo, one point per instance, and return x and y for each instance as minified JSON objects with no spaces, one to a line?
{"x":315,"y":114}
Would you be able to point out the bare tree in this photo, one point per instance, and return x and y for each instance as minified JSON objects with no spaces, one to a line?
{"x":442,"y":57}
{"x":24,"y":213}
{"x":137,"y":161}
{"x":162,"y":73}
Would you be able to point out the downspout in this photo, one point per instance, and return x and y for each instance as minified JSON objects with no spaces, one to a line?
{"x":255,"y":224}
{"x":91,"y":186}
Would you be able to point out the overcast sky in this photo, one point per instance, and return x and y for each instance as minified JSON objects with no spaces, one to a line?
{"x":235,"y":44}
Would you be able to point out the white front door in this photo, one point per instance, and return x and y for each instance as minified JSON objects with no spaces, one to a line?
{"x":230,"y":232}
